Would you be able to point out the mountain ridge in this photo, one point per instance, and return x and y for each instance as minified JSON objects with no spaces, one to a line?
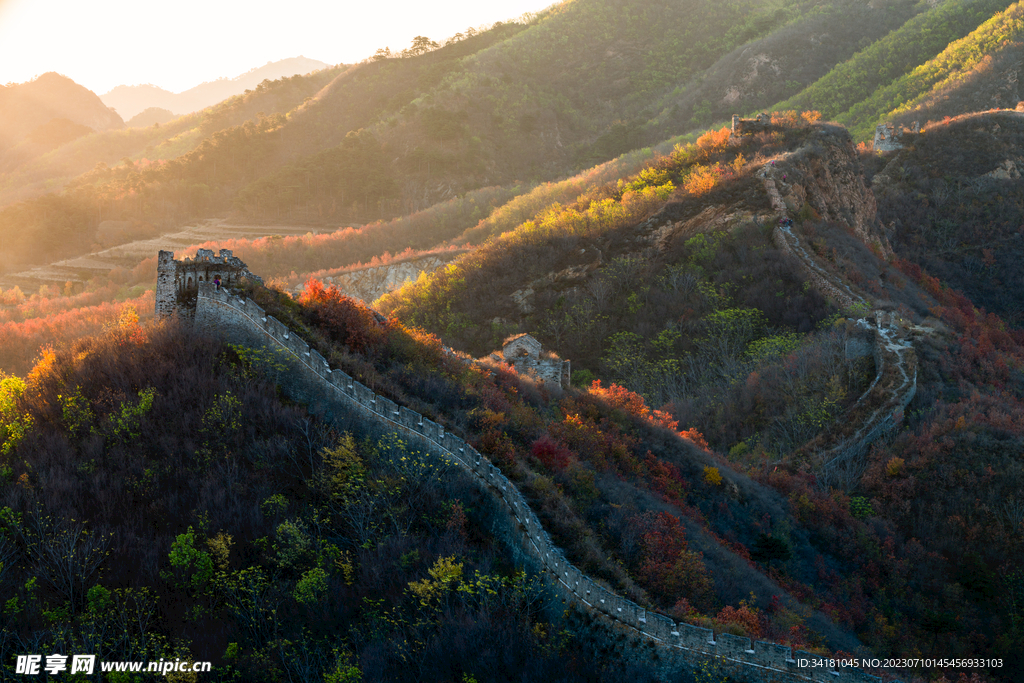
{"x":131,"y":100}
{"x":26,"y":106}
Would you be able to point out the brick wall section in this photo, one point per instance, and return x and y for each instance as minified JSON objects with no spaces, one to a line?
{"x":330,"y":392}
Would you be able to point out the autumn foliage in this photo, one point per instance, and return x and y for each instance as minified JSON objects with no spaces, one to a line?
{"x":350,"y":322}
{"x":668,"y":566}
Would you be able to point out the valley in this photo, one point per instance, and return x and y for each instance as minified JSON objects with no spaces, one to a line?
{"x":80,"y":269}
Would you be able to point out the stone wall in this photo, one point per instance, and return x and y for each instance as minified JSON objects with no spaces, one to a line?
{"x":892,"y":390}
{"x":786,"y":241}
{"x":371,"y":283}
{"x":888,"y":137}
{"x":176,"y":280}
{"x":895,"y":383}
{"x":331,"y":392}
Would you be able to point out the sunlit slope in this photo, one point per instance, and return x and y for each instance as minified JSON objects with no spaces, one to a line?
{"x":926,"y":88}
{"x":28,"y":171}
{"x":533,"y":103}
{"x":880,"y":64}
{"x":392,"y":136}
{"x":514,"y":105}
{"x":758,"y":74}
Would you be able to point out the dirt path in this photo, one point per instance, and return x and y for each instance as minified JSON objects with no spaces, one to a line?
{"x":129,"y":255}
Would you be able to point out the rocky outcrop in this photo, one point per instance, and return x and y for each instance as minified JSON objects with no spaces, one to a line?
{"x":825,"y":175}
{"x":371,"y":283}
{"x":1004,"y":171}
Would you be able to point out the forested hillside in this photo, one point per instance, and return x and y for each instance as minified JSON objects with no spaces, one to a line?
{"x":716,"y":359}
{"x":508,"y":106}
{"x":514,"y":102}
{"x":935,"y":49}
{"x":758,"y":74}
{"x":668,"y":283}
{"x":953,"y":202}
{"x":298,"y":548}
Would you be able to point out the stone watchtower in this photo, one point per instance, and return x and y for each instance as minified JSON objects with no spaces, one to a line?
{"x":528,"y":357}
{"x":761,"y":122}
{"x":177,"y":282}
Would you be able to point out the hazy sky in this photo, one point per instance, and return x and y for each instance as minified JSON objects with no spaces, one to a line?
{"x":176,"y":45}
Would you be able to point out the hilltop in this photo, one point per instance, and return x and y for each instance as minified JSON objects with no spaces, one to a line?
{"x":147,"y":117}
{"x":25,"y":106}
{"x":48,"y":112}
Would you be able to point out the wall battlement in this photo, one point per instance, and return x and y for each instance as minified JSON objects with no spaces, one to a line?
{"x":328,"y":391}
{"x":177,"y":281}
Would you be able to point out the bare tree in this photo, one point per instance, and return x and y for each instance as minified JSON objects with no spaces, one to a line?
{"x":64,"y":553}
{"x":1012,"y":513}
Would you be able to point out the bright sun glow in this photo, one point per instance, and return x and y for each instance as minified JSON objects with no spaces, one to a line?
{"x":178,"y":45}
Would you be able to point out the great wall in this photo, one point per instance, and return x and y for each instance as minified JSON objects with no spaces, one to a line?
{"x":680,"y":646}
{"x":311,"y":380}
{"x":880,"y":408}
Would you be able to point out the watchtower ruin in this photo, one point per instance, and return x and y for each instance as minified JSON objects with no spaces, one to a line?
{"x":528,"y":357}
{"x":749,"y":126}
{"x":888,"y":136}
{"x":177,"y":282}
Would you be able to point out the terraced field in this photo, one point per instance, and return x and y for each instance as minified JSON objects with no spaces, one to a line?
{"x":129,"y":255}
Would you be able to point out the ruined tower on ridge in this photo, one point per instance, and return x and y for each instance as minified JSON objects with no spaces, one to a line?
{"x":177,"y":282}
{"x":527,"y":356}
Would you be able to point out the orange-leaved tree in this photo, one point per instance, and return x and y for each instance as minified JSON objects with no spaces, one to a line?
{"x":344,"y":319}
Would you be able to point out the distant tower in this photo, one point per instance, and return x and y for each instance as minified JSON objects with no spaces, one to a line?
{"x":887,"y":137}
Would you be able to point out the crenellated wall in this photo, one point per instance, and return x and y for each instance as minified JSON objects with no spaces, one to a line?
{"x":328,"y":391}
{"x":757,"y":124}
{"x":176,"y":280}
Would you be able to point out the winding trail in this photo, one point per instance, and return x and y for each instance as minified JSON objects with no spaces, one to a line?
{"x":880,"y":408}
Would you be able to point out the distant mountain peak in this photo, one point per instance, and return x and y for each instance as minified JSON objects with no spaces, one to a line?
{"x":24,"y":107}
{"x":130,"y":100}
